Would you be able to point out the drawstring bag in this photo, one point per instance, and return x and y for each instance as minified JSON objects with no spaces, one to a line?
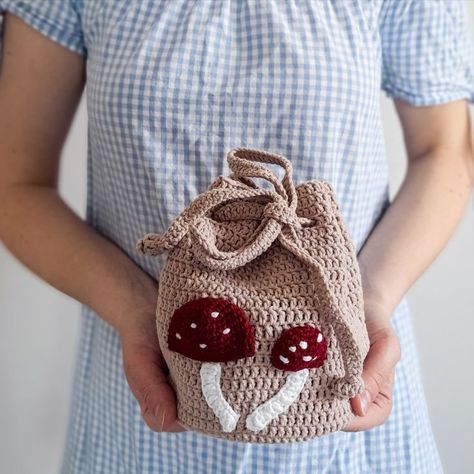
{"x":260,"y":311}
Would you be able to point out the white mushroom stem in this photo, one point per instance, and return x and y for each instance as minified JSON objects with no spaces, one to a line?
{"x":279,"y":403}
{"x":211,"y":389}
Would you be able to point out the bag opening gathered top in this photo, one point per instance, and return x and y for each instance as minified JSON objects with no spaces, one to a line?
{"x":260,"y":311}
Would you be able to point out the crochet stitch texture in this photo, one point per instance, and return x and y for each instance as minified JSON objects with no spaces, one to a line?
{"x":284,"y":257}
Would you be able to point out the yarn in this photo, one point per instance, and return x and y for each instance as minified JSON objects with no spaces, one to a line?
{"x":283,"y":268}
{"x":211,"y":330}
{"x":298,"y":348}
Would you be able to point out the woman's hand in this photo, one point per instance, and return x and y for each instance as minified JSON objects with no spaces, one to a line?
{"x":41,"y":83}
{"x":147,"y":373}
{"x":410,"y":234}
{"x":373,"y":406}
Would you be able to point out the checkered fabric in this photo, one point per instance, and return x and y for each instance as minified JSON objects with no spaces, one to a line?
{"x":171,"y":87}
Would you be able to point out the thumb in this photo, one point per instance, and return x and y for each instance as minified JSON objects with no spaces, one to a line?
{"x":379,"y":364}
{"x":144,"y":368}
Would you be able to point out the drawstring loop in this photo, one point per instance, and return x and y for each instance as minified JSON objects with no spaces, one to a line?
{"x":279,"y":210}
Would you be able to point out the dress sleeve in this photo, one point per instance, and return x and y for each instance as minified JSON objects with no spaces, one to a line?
{"x":427,"y":51}
{"x":59,"y":20}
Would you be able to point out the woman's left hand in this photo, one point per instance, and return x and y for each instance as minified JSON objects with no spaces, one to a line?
{"x":373,"y":406}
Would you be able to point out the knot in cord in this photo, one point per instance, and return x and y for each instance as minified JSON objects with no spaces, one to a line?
{"x":281,"y":212}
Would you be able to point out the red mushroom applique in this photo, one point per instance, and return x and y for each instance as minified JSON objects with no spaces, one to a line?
{"x":212,"y":331}
{"x":297,"y":350}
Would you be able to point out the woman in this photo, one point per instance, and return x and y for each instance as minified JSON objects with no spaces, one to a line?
{"x":171,"y":87}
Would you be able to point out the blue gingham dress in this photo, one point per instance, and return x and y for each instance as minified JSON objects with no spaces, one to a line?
{"x":171,"y":87}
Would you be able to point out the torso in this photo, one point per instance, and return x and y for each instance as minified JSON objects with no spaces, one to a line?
{"x":172,"y":86}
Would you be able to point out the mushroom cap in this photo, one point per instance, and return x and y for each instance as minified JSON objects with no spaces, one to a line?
{"x":299,"y":347}
{"x":211,"y":330}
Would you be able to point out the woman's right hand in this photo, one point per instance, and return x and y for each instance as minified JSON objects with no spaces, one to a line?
{"x":147,"y":373}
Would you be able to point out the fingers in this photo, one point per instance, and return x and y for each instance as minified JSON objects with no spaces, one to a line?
{"x":379,"y":364}
{"x":374,"y":405}
{"x":144,"y":369}
{"x":378,"y":411}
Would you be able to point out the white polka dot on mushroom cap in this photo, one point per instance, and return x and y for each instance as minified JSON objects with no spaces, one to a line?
{"x":193,"y":325}
{"x":292,"y":348}
{"x":214,"y":314}
{"x":303,"y":345}
{"x":319,"y":338}
{"x":202,"y":346}
{"x":178,"y":335}
{"x":226,"y":331}
{"x":307,"y":358}
{"x":284,"y":359}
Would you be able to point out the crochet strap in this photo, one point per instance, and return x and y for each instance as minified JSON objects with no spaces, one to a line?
{"x":279,"y":210}
{"x":241,"y":162}
{"x":350,"y":384}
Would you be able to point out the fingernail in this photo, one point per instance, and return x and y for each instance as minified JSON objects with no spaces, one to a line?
{"x":365,"y":401}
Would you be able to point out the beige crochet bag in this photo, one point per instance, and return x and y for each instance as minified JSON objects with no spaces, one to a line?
{"x":260,"y":311}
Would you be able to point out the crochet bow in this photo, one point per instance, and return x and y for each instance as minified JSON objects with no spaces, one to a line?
{"x":276,"y":211}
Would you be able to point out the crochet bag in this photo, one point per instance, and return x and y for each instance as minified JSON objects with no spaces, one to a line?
{"x":260,"y":311}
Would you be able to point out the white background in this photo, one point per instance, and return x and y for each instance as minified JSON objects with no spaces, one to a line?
{"x":39,"y":329}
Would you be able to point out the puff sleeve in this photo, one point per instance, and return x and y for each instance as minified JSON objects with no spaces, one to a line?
{"x":427,"y":51}
{"x":58,"y":20}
